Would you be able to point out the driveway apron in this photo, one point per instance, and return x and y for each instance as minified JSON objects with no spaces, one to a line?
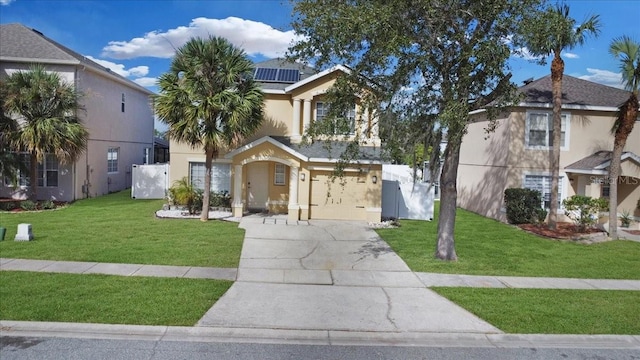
{"x":330,"y":275}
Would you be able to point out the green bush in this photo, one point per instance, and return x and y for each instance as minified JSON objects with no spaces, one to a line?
{"x":523,"y":206}
{"x":183,"y":193}
{"x":47,"y":205}
{"x":583,"y":210}
{"x":7,"y":205}
{"x":27,"y":205}
{"x":220,"y":199}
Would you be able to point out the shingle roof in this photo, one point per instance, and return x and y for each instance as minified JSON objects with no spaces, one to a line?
{"x":331,"y":149}
{"x":574,"y":92}
{"x":596,"y":161}
{"x":305,"y":72}
{"x":22,"y":44}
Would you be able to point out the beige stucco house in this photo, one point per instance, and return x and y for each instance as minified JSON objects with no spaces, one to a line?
{"x":517,"y":154}
{"x":276,"y":172}
{"x":117,"y":112}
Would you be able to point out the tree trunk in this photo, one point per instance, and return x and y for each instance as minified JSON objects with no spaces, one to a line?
{"x":629,"y":114}
{"x":204,"y":215}
{"x":445,"y":248}
{"x":557,"y":69}
{"x":33,"y":176}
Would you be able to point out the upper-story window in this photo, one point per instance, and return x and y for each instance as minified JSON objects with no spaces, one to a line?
{"x":539,"y":130}
{"x":344,"y":125}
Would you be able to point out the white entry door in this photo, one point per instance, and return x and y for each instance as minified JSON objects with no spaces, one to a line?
{"x":257,"y":185}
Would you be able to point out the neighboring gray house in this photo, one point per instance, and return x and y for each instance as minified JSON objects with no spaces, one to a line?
{"x":117,"y":112}
{"x":517,"y":153}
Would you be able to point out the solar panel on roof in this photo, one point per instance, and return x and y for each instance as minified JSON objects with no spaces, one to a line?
{"x":288,"y":75}
{"x":266,"y":74}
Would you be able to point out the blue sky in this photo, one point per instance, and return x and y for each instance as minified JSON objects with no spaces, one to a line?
{"x":136,"y":38}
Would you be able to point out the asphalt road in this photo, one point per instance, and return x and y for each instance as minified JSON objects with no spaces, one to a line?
{"x":95,"y":349}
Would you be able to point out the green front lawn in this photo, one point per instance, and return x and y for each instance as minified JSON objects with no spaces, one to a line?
{"x":106,"y":299}
{"x":488,"y":247}
{"x":552,"y":311}
{"x":117,"y":229}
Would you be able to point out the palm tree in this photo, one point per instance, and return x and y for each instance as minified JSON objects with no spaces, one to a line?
{"x":628,"y":51}
{"x":209,"y":100}
{"x":45,"y":108}
{"x":549,"y":34}
{"x":9,"y":162}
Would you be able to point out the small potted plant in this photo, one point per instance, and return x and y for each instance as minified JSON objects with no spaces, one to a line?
{"x":625,"y":219}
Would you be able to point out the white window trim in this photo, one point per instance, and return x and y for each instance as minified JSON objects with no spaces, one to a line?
{"x":549,"y":114}
{"x":202,"y":162}
{"x":45,"y":178}
{"x":117,"y":151}
{"x":276,"y":181}
{"x":353,"y":129}
{"x":562,"y":181}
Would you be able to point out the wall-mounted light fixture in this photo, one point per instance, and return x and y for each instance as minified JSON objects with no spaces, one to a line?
{"x":374,"y":178}
{"x":302,"y":176}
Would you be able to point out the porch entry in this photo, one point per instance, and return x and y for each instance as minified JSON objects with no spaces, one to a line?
{"x":258,"y":186}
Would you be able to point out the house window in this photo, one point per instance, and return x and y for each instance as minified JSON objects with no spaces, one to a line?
{"x":122,"y":103}
{"x":48,"y":171}
{"x":605,"y":190}
{"x":22,"y":174}
{"x":345,"y":125}
{"x":220,"y":176}
{"x":112,"y":160}
{"x":542,"y":184}
{"x":280,"y":172}
{"x":539,"y":130}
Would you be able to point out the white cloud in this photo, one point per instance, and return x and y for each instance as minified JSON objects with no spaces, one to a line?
{"x":119,"y":69}
{"x":254,"y":37}
{"x":6,"y":2}
{"x":570,"y":55}
{"x":524,"y":53}
{"x":146,"y":81}
{"x":604,"y":77}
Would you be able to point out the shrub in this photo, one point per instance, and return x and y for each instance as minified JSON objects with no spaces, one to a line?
{"x":625,"y":218}
{"x":220,"y":199}
{"x":7,"y":205}
{"x":185,"y":194}
{"x":27,"y":205}
{"x":523,"y":206}
{"x":47,"y":205}
{"x":583,"y":210}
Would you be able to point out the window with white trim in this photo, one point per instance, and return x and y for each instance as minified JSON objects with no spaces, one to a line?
{"x":220,"y":176}
{"x":48,"y":171}
{"x":279,"y":177}
{"x":539,"y":130}
{"x":605,"y":189}
{"x":345,"y":125}
{"x":112,"y":160}
{"x":542,"y":183}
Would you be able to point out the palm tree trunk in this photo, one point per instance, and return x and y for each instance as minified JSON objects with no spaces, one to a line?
{"x":33,"y":176}
{"x":445,"y":248}
{"x":204,"y":215}
{"x":557,"y":69}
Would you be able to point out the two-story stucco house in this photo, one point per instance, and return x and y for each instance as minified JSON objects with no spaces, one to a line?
{"x":518,"y":153}
{"x":117,"y":113}
{"x":274,"y":172}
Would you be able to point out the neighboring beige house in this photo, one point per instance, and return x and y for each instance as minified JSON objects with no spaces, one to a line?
{"x":273,"y":172}
{"x":117,"y":112}
{"x":517,"y":154}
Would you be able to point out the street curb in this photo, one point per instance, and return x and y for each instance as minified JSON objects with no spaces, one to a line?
{"x":311,"y":337}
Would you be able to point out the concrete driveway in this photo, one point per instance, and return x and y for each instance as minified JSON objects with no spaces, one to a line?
{"x":330,"y":275}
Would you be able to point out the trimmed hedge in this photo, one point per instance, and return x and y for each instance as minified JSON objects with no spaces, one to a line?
{"x":523,"y":206}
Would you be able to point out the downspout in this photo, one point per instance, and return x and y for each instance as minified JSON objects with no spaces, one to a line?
{"x":87,"y":183}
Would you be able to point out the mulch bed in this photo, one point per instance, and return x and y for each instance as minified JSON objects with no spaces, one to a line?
{"x":564,"y":231}
{"x":634,"y":232}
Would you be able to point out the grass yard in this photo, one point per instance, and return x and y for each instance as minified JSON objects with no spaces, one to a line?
{"x":115,"y":228}
{"x":488,"y":247}
{"x":29,"y":296}
{"x":552,"y":311}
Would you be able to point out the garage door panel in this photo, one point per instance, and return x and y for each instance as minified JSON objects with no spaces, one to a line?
{"x":338,"y":198}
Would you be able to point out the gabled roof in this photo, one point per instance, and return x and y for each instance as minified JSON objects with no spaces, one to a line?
{"x":19,"y":43}
{"x":576,"y":93}
{"x":598,"y":163}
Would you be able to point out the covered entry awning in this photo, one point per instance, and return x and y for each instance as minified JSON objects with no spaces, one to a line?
{"x":598,"y":164}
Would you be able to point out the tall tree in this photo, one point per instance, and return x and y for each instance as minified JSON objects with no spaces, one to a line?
{"x":450,"y":54}
{"x":627,"y":50}
{"x":9,"y":160}
{"x":209,"y":100}
{"x":553,"y":32}
{"x":45,"y":108}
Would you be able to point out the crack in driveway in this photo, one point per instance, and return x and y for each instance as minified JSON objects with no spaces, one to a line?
{"x":389,"y":309}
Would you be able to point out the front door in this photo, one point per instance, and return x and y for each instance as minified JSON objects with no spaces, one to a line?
{"x":257,"y":186}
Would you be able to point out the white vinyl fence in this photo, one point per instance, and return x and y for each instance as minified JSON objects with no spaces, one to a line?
{"x":402,"y":198}
{"x":149,"y":181}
